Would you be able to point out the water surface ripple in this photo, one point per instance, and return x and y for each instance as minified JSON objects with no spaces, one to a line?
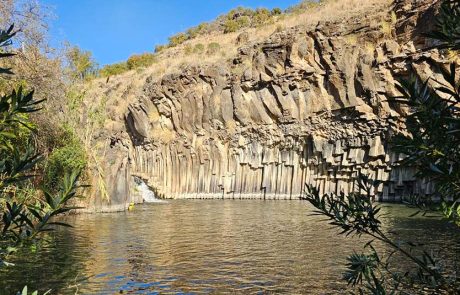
{"x":211,"y":246}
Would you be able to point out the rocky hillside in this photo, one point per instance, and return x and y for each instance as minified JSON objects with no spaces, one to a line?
{"x":309,"y":104}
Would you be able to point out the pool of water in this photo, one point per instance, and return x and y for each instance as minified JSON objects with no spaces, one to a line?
{"x":209,"y":246}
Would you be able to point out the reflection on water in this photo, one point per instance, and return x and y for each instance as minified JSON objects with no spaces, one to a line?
{"x":204,"y":247}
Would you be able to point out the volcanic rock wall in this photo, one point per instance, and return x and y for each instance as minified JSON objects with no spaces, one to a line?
{"x":303,"y":107}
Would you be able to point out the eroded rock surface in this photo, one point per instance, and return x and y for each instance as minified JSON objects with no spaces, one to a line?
{"x":303,"y":107}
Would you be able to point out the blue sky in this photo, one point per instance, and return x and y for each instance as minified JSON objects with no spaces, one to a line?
{"x":115,"y":29}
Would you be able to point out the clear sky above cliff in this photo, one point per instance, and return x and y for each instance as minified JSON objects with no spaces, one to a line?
{"x":115,"y":29}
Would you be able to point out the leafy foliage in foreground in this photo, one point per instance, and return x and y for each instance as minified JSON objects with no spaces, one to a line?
{"x":26,"y":212}
{"x":356,"y":215}
{"x":25,"y":292}
{"x":434,"y":142}
{"x":447,"y":32}
{"x":433,"y":147}
{"x":22,"y":222}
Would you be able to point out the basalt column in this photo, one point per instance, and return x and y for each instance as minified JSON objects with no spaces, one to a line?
{"x":305,"y":106}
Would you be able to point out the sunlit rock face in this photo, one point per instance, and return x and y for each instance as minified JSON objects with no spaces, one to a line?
{"x":303,"y":107}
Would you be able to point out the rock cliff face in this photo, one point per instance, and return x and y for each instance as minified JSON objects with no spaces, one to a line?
{"x":307,"y":106}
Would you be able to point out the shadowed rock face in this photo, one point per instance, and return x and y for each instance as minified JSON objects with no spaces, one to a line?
{"x":305,"y":106}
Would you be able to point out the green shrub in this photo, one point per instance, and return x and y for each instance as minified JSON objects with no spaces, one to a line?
{"x":188,"y":49}
{"x":141,"y":60}
{"x":66,"y":135}
{"x":203,"y":28}
{"x":114,"y":69}
{"x":67,"y":156}
{"x":160,"y":48}
{"x":243,"y":22}
{"x":213,"y":48}
{"x":192,"y":32}
{"x":261,"y":16}
{"x":230,"y":26}
{"x":63,"y":160}
{"x":198,"y":49}
{"x":239,"y":12}
{"x":81,"y":63}
{"x":198,"y":30}
{"x":241,"y":17}
{"x":276,"y":11}
{"x":233,"y":25}
{"x":177,"y":39}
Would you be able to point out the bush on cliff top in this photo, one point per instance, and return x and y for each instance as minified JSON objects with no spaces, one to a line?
{"x":141,"y":60}
{"x":81,"y":63}
{"x":178,"y":39}
{"x":135,"y":61}
{"x":233,"y":21}
{"x":114,"y":69}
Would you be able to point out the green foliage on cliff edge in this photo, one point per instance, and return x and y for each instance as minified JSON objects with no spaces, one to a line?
{"x":141,"y":60}
{"x":177,"y":39}
{"x":135,"y":61}
{"x":81,"y":64}
{"x":235,"y":20}
{"x":114,"y":69}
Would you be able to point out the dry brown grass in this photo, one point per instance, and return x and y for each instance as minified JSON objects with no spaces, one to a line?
{"x":329,"y":11}
{"x":334,"y":10}
{"x":163,"y":135}
{"x":172,"y":59}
